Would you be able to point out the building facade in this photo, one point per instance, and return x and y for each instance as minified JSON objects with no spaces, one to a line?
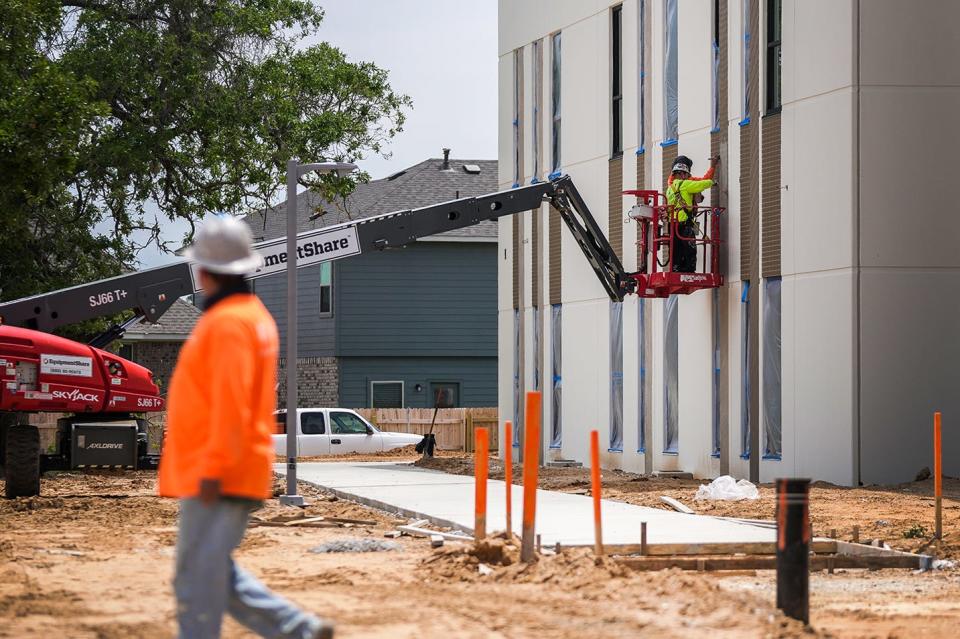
{"x":389,"y":329}
{"x":833,"y":340}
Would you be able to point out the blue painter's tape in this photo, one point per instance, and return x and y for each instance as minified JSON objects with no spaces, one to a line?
{"x":614,"y":450}
{"x":716,"y":130}
{"x":746,"y":292}
{"x":641,"y":151}
{"x":667,"y":143}
{"x":715,"y":455}
{"x":641,"y":450}
{"x":771,"y":458}
{"x":745,"y":456}
{"x":516,"y":185}
{"x":534,"y":180}
{"x":745,"y":121}
{"x":554,"y":175}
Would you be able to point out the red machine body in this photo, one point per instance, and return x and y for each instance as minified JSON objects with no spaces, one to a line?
{"x":40,"y":372}
{"x":655,"y":277}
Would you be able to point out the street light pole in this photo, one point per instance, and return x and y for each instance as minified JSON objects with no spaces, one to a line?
{"x":294,"y":171}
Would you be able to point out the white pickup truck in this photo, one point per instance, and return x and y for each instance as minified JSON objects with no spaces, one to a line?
{"x":336,"y":431}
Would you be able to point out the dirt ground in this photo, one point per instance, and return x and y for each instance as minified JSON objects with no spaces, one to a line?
{"x":93,"y":557}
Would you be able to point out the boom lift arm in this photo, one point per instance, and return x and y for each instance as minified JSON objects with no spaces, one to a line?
{"x":151,"y":292}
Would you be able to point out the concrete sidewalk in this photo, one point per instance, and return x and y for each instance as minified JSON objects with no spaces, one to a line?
{"x":447,"y":500}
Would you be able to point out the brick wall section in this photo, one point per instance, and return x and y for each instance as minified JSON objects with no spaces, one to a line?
{"x":318,"y":382}
{"x":669,"y":155}
{"x":770,"y":197}
{"x":615,"y":204}
{"x":554,"y":254}
{"x":515,"y":235}
{"x":535,"y":256}
{"x":641,"y":185}
{"x":750,"y":162}
{"x":720,"y":137}
{"x":160,"y":358}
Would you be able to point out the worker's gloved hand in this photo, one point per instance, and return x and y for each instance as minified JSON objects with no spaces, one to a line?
{"x":209,"y":491}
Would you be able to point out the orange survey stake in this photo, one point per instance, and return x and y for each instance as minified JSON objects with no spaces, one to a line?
{"x":508,"y":473}
{"x":481,"y":448}
{"x":938,"y":476}
{"x":595,"y":488}
{"x":531,"y":461}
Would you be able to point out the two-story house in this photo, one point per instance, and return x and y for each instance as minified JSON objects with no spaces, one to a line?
{"x":389,"y":329}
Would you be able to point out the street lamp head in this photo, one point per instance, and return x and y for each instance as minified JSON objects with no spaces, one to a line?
{"x":338,"y":168}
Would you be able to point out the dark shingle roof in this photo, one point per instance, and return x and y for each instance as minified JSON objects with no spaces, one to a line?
{"x":420,"y":185}
{"x":179,"y":320}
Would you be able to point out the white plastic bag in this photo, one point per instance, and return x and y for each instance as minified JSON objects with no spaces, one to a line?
{"x":727,"y":488}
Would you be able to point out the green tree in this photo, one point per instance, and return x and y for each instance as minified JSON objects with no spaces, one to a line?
{"x":196,"y":105}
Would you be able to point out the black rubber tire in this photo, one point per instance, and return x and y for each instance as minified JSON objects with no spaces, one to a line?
{"x":22,"y":463}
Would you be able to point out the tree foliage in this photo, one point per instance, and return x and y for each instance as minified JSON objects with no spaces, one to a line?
{"x":194,"y":105}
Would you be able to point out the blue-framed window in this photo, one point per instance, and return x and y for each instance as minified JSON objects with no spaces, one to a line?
{"x":671,"y":376}
{"x":772,"y":373}
{"x":555,"y":61}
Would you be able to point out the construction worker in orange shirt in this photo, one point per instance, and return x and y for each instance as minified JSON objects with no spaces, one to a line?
{"x":218,"y":452}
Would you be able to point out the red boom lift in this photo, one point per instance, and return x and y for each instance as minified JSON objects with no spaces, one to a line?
{"x":105,"y":394}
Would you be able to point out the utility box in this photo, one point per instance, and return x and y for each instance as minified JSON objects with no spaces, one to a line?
{"x":103,"y":445}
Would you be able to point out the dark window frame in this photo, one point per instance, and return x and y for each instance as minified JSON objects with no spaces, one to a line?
{"x":774,"y":62}
{"x":458,"y":388}
{"x":388,"y":382}
{"x":616,"y":81}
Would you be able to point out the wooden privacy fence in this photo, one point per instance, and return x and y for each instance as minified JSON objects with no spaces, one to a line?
{"x":453,"y":428}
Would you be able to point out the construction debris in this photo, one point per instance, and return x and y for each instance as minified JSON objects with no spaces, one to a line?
{"x":436,"y":541}
{"x":416,"y":531}
{"x":356,"y":545}
{"x":284,"y":521}
{"x":676,"y":505}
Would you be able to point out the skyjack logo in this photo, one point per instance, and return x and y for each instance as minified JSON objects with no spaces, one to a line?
{"x":76,"y":395}
{"x":693,"y":279}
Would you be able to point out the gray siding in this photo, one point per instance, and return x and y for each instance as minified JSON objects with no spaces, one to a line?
{"x":316,"y":333}
{"x":477,"y":377}
{"x":431,"y":299}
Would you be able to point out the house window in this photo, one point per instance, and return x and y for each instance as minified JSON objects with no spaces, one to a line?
{"x":445,"y":394}
{"x":517,"y":96}
{"x":772,"y":381}
{"x":555,"y":351}
{"x":537,"y":100}
{"x":126,"y":351}
{"x":386,"y":394}
{"x":715,"y":76}
{"x":616,"y":97}
{"x":326,"y":288}
{"x":616,"y":376}
{"x":745,"y":81}
{"x":670,"y":73}
{"x":671,"y":375}
{"x":745,"y":371}
{"x":555,"y":104}
{"x":774,"y":59}
{"x":642,"y":69}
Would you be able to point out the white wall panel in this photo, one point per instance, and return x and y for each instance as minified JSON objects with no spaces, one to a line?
{"x":695,"y":26}
{"x":825,"y":376}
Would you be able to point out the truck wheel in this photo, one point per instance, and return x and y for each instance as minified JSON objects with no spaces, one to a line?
{"x":22,"y":462}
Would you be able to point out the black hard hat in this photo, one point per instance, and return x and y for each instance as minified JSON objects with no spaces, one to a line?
{"x":682,"y":163}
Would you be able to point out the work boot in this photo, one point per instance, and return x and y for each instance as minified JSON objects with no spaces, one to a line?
{"x":324,"y":630}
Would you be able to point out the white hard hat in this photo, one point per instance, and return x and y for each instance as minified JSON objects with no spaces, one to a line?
{"x":224,"y":245}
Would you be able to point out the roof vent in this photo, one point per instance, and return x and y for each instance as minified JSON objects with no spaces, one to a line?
{"x":395,"y":175}
{"x":446,"y":160}
{"x":472,"y":169}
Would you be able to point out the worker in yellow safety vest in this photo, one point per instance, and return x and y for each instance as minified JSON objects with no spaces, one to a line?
{"x":683,"y":194}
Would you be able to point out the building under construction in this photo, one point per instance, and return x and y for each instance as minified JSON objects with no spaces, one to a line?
{"x":833,"y":339}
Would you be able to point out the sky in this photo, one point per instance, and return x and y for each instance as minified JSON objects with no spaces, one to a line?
{"x":442,"y":53}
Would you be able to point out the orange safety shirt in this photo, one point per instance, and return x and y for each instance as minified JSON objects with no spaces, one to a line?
{"x":221,"y":401}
